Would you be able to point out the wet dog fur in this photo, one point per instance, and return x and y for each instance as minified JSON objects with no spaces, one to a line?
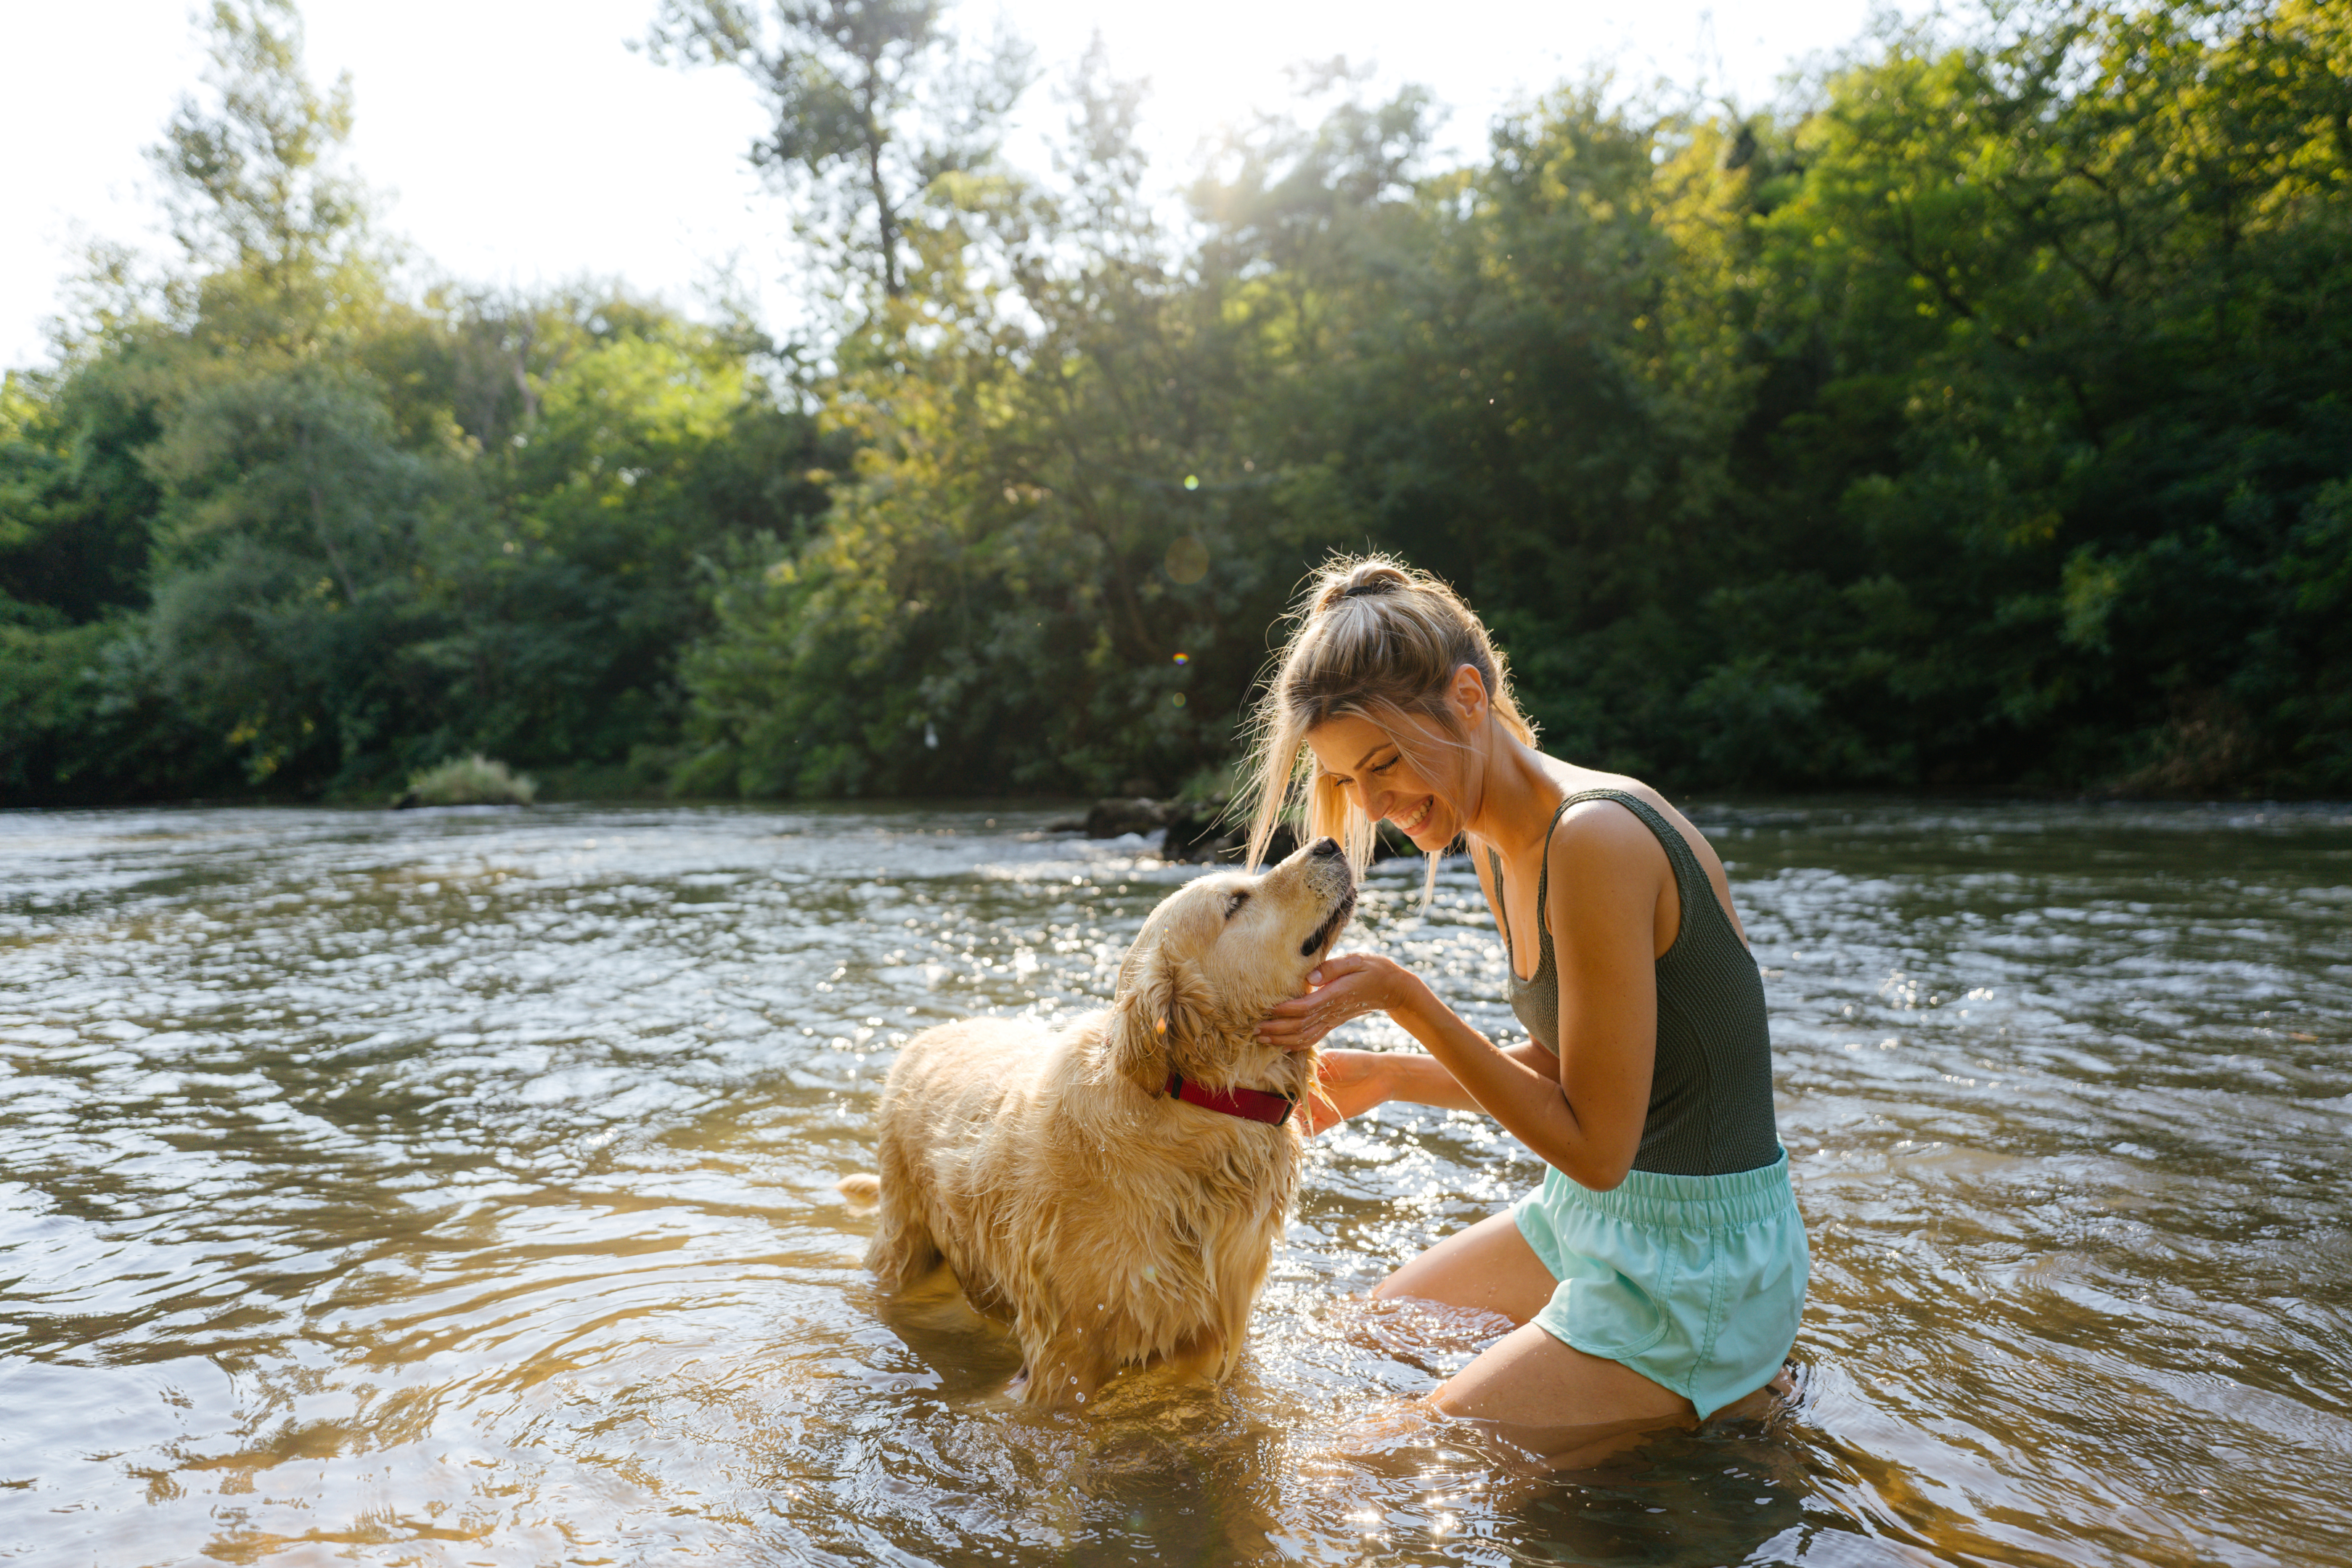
{"x":1112,"y":1224}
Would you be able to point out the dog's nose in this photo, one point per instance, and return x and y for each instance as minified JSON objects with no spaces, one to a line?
{"x":1325,"y":848}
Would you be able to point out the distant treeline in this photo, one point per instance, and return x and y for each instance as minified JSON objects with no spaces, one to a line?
{"x":1986,"y":423}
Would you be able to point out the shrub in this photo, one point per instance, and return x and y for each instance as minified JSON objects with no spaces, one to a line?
{"x":466,"y":780}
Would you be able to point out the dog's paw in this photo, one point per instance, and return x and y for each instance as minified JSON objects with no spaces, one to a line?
{"x":864,"y":1189}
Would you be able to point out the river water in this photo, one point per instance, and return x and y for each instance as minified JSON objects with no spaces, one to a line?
{"x":455,"y":1188}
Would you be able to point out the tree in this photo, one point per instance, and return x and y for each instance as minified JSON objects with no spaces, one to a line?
{"x":2080,"y":276}
{"x":269,"y":526}
{"x":873,"y":108}
{"x":262,"y":211}
{"x":1054,"y":566}
{"x":1984,"y":423}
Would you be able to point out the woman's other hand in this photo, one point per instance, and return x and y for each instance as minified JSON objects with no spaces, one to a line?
{"x":1337,"y":989}
{"x":1347,"y":1083}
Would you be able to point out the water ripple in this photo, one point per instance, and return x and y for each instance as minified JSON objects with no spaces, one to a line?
{"x":455,"y":1187}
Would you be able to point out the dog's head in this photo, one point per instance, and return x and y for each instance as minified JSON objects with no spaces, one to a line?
{"x":1212,"y":958}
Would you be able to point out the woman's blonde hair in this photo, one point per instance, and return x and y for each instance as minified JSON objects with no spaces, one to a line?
{"x":1373,"y":639}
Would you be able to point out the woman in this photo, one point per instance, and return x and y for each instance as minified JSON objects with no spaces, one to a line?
{"x":1658,"y":1273}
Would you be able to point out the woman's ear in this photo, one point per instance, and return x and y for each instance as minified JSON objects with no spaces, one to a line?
{"x":1468,"y":693}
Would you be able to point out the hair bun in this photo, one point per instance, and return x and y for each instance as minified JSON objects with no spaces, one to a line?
{"x":1363,"y":581}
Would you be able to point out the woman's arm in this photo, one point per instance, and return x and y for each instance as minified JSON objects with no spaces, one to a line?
{"x":1580,"y":1111}
{"x":1352,"y":1082}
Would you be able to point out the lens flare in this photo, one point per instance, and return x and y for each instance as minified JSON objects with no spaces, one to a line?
{"x":1188,"y":560}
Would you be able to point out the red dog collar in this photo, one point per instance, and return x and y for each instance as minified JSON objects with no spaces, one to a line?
{"x":1249,"y":1104}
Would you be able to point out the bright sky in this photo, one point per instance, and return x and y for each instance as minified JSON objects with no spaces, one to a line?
{"x":519,"y":143}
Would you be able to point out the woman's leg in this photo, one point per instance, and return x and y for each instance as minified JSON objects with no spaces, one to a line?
{"x":1543,"y":1391}
{"x":1528,"y":1379}
{"x":1556,"y":1409}
{"x":1489,"y":1267}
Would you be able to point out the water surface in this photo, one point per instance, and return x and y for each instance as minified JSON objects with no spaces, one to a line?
{"x":454,"y":1188}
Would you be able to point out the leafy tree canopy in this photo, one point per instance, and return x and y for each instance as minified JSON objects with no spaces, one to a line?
{"x":1980,"y":424}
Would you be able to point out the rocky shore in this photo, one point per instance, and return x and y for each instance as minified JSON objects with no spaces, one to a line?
{"x":1200,"y":832}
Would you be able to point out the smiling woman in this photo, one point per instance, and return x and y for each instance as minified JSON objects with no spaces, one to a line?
{"x":1658,"y":1274}
{"x":1379,"y":671}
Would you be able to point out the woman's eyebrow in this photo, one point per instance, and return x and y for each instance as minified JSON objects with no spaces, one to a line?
{"x":1360,"y":761}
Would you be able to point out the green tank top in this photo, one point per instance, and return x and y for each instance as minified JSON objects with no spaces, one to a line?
{"x":1711,"y":1092}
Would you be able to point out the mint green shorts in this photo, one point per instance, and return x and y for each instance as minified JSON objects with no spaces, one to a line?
{"x":1696,"y":1282}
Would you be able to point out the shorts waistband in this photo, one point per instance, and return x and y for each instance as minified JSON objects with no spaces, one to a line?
{"x":1707,"y":1203}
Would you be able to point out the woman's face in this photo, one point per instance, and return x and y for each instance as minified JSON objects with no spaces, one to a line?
{"x":1359,"y":756}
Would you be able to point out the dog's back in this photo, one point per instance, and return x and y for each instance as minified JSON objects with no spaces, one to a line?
{"x":948,"y":1086}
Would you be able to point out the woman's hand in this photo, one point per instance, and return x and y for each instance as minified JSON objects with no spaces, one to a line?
{"x":1347,"y":1083}
{"x":1339,"y":989}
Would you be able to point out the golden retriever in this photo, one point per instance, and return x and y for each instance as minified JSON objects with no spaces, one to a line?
{"x":1115,"y":1188}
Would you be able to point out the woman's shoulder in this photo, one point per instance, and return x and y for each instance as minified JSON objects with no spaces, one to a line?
{"x":1603,"y":865}
{"x":1597,"y":834}
{"x":1599,"y":828}
{"x":1574,"y":781}
{"x":1596,"y":839}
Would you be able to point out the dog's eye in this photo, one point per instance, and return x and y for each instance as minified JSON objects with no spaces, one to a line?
{"x":1233,"y":905}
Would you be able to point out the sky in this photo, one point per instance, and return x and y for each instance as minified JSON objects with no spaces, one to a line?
{"x":513,"y":144}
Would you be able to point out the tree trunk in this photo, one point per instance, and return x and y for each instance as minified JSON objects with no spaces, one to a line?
{"x":318,"y":522}
{"x":884,"y":219}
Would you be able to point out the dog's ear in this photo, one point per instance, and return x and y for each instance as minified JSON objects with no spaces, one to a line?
{"x":1160,"y":1014}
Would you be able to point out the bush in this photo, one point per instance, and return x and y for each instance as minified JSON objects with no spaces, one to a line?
{"x":466,"y":780}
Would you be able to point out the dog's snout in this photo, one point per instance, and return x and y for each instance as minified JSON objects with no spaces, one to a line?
{"x":1325,"y":848}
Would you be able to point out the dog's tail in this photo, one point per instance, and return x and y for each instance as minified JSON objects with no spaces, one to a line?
{"x":862,"y":1189}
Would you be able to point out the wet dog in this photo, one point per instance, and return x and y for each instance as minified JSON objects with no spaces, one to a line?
{"x":1114,"y":1188}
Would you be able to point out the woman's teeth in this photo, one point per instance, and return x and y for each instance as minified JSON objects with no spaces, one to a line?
{"x":1418,"y":820}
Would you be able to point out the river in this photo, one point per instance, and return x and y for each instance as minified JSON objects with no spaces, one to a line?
{"x":455,"y":1187}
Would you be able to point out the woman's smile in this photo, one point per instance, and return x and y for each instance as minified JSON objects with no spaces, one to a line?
{"x":1414,"y":821}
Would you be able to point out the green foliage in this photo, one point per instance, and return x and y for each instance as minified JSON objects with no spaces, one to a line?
{"x":2069,"y":293}
{"x":1976,"y":427}
{"x":268,"y":527}
{"x":75,"y":502}
{"x":83,"y":721}
{"x":467,"y":780}
{"x":1983,"y":425}
{"x":1055,"y":564}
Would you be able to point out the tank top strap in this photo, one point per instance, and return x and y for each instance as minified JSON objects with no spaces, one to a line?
{"x":1690,"y":877}
{"x":1543,"y":890}
{"x":1543,"y":871}
{"x":1495,"y":865}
